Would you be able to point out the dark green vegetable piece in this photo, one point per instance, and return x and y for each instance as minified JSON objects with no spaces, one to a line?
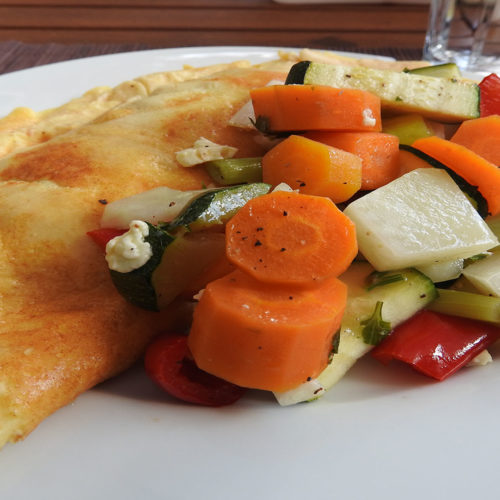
{"x":136,"y":285}
{"x":297,"y":73}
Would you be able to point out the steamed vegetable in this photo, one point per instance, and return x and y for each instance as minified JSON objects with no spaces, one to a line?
{"x":291,"y":238}
{"x":420,"y":218}
{"x":482,"y":136}
{"x":378,"y":152}
{"x":436,"y":344}
{"x":169,"y":364}
{"x":266,"y":336}
{"x":315,"y":107}
{"x":313,"y":168}
{"x":443,"y":99}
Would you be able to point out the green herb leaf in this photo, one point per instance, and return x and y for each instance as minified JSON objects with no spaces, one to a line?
{"x":382,"y":278}
{"x":375,"y":328}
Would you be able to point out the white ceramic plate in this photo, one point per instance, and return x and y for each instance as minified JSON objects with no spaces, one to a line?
{"x":381,"y":433}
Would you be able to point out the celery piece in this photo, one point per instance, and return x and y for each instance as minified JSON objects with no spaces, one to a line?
{"x":235,"y":170}
{"x":467,"y":305}
{"x":407,"y":128}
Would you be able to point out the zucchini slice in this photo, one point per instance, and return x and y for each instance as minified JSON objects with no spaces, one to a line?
{"x":214,"y":208}
{"x":443,"y":99}
{"x":136,"y":286}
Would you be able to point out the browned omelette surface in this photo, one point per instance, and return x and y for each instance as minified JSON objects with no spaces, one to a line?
{"x":63,"y":327}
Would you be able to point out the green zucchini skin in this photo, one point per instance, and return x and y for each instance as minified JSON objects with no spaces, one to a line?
{"x":297,"y":73}
{"x":136,"y":286}
{"x":445,"y":70}
{"x":471,"y":191}
{"x":216,"y":207}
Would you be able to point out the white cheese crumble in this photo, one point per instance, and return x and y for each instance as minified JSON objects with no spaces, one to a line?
{"x":368,"y":118}
{"x":130,"y":250}
{"x":204,"y":150}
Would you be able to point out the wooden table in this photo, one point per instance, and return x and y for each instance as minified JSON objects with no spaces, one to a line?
{"x":39,"y":31}
{"x":173,"y":23}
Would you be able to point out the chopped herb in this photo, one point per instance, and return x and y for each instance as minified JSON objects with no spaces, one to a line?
{"x":103,"y":202}
{"x":398,"y":99}
{"x":375,"y":328}
{"x":383,"y":278}
{"x":258,"y":243}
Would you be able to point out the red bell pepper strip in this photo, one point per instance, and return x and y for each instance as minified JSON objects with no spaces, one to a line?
{"x":490,"y":95}
{"x":168,"y":363}
{"x":103,"y":235}
{"x":436,"y":344}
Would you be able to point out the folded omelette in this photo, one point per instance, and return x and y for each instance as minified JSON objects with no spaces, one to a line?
{"x":63,"y":327}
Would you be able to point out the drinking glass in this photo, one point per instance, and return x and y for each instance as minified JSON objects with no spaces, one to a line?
{"x":457,"y":32}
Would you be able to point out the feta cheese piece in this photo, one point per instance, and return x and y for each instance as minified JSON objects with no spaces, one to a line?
{"x":368,"y":119}
{"x":202,"y":151}
{"x":130,"y":250}
{"x":420,"y":218}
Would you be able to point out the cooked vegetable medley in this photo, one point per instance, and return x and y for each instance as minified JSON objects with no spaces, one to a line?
{"x":371,"y":224}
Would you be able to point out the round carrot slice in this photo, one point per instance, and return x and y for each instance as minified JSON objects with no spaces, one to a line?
{"x":264,"y":336}
{"x":291,"y":238}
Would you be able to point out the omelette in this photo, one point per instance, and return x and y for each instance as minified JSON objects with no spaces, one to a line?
{"x":63,"y":326}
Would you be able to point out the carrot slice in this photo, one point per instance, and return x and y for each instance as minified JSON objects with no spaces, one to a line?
{"x":313,"y":168}
{"x":291,"y":238}
{"x":264,"y":336}
{"x":316,"y":107}
{"x":378,"y":151}
{"x":472,"y":167}
{"x":481,"y":135}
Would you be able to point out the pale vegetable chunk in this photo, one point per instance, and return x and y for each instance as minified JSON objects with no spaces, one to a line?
{"x":443,"y":271}
{"x":419,"y":218}
{"x":485,"y":274}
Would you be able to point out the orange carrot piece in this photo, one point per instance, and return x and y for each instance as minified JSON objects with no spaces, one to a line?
{"x":472,"y":167}
{"x":313,"y":168}
{"x":291,"y":238}
{"x":316,"y":107}
{"x":264,"y":336}
{"x":378,"y":151}
{"x":481,"y":135}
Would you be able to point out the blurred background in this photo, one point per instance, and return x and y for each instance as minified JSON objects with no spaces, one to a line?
{"x":106,"y":26}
